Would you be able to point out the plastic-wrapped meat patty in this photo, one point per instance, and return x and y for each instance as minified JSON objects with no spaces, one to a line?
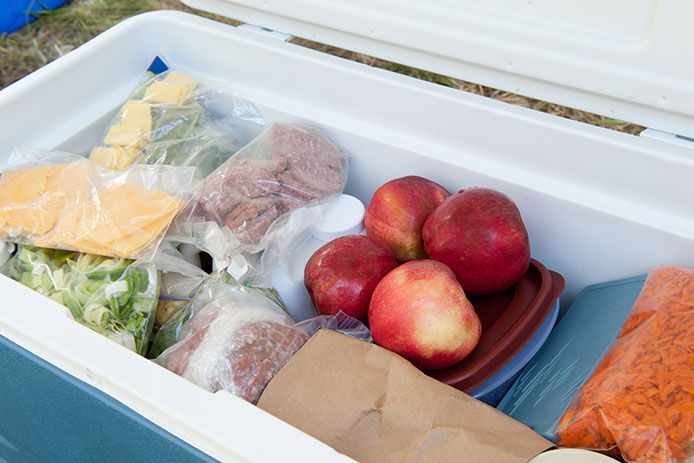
{"x":288,"y":166}
{"x":236,"y":343}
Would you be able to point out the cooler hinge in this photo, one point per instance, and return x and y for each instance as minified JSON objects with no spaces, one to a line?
{"x":678,"y":140}
{"x":266,"y":32}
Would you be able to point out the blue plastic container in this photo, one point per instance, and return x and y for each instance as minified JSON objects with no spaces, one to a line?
{"x":15,"y":14}
{"x":543,"y":392}
{"x":493,"y":389}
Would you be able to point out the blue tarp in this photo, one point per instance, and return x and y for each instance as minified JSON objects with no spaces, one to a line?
{"x":18,"y":13}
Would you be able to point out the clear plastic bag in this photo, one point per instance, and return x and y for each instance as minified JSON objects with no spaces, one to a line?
{"x":240,"y":339}
{"x":267,"y":198}
{"x":640,"y":398}
{"x":114,"y":297}
{"x":6,"y":251}
{"x":173,"y":119}
{"x":215,"y":286}
{"x":64,"y":201}
{"x":180,"y":281}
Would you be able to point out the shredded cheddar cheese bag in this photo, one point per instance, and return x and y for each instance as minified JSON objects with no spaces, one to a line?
{"x":640,"y":398}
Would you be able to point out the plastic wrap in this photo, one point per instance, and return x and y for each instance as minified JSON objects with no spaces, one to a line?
{"x":64,"y":201}
{"x":640,"y":398}
{"x":214,"y":287}
{"x":114,"y":297}
{"x":240,"y":339}
{"x":180,"y":281}
{"x":268,"y":197}
{"x":174,"y":119}
{"x":6,"y":250}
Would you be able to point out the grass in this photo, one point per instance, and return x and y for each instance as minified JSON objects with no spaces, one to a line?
{"x":59,"y":31}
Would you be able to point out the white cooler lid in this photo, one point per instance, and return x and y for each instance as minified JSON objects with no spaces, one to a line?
{"x":627,"y":59}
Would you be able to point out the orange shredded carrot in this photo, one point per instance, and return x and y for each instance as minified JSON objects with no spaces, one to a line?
{"x":640,"y":398}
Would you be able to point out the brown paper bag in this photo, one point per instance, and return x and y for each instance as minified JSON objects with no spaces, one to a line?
{"x":375,"y":406}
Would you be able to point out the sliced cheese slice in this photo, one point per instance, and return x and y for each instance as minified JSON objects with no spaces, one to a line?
{"x":123,"y":220}
{"x":178,"y":78}
{"x":115,"y":157}
{"x":164,"y":92}
{"x":127,"y":135}
{"x":33,"y":199}
{"x":137,"y":113}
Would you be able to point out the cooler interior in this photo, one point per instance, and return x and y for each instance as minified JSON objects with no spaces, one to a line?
{"x":598,"y":205}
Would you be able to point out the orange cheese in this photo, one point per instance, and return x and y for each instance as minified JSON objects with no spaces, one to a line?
{"x":61,"y":207}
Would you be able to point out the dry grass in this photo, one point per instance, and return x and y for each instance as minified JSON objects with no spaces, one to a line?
{"x":57,"y":32}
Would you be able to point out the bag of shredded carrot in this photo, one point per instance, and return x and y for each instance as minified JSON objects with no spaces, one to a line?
{"x":640,"y":398}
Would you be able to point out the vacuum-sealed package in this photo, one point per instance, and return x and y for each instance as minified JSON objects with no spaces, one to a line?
{"x":114,"y":297}
{"x":640,"y":398}
{"x":239,"y":339}
{"x":267,"y":198}
{"x":64,"y":201}
{"x":174,"y":119}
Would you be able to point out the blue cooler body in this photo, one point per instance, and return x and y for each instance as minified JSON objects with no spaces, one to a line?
{"x":65,"y":420}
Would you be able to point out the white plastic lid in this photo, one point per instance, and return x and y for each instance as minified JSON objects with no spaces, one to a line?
{"x":571,"y":456}
{"x":345,"y":217}
{"x":626,"y":59}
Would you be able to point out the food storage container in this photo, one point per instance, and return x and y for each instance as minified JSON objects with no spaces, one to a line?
{"x":598,"y":204}
{"x":493,"y":389}
{"x":515,"y":323}
{"x":543,"y":392}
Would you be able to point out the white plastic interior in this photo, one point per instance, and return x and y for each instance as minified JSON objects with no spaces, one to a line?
{"x":625,"y":59}
{"x":598,"y":204}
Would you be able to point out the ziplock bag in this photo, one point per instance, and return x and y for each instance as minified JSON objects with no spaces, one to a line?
{"x":640,"y":398}
{"x":239,"y":340}
{"x":174,"y":119}
{"x":114,"y":297}
{"x":214,"y":287}
{"x":267,"y":198}
{"x":64,"y":201}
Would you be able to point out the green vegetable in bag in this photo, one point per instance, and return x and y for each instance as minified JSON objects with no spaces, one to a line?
{"x":114,"y":297}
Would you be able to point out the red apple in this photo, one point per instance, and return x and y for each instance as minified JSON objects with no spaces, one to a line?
{"x":480,"y":235}
{"x":397,"y":211}
{"x":342,"y":275}
{"x":420,"y":311}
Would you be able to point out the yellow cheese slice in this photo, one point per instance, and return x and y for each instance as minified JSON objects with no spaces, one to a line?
{"x":129,"y":244}
{"x":178,"y":78}
{"x":24,"y":222}
{"x":115,"y":157}
{"x":24,"y":185}
{"x":164,"y":92}
{"x":127,"y":135}
{"x":105,"y":156}
{"x":137,"y":113}
{"x":122,"y":221}
{"x":33,"y":199}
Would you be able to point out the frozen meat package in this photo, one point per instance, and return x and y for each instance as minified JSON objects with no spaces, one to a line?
{"x":64,"y":201}
{"x":234,"y":338}
{"x":175,"y":119}
{"x":267,"y":198}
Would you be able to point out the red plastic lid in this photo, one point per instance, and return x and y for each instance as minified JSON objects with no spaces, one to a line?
{"x":509,"y":319}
